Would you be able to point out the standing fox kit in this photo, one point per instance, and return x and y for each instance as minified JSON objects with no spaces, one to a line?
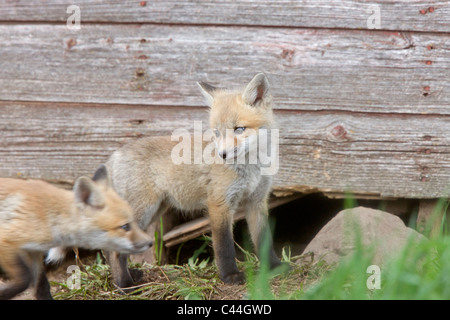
{"x":36,"y":216}
{"x":144,"y":174}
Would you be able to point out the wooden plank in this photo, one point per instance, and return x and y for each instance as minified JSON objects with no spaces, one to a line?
{"x":387,"y":155}
{"x":376,"y":155}
{"x":62,"y":141}
{"x":402,"y":15}
{"x":159,"y":65}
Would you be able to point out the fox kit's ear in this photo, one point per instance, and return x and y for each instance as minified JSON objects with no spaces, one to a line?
{"x":257,"y":90}
{"x":86,"y":192}
{"x":208,"y":92}
{"x":101,"y":176}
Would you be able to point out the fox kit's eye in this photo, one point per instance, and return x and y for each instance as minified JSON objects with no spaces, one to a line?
{"x":239,"y":130}
{"x":217,"y":133}
{"x":126,"y":227}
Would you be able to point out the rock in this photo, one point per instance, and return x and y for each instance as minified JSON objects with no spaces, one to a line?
{"x":386,"y":232}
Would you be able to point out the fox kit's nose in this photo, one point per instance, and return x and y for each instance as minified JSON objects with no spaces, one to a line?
{"x":223,"y":154}
{"x":143,"y":245}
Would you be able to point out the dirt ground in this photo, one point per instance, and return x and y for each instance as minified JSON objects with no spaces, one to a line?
{"x":155,"y":276}
{"x":296,"y":224}
{"x":167,"y":282}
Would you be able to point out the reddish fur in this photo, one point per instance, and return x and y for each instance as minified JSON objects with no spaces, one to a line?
{"x":36,"y":216}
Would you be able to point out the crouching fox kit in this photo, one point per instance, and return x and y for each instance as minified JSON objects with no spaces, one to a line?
{"x":36,"y":216}
{"x":144,"y":174}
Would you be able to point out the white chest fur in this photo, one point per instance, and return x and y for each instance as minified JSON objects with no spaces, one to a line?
{"x":249,"y":181}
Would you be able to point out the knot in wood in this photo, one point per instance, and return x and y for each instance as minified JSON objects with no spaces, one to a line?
{"x":140,"y":72}
{"x":339,"y":132}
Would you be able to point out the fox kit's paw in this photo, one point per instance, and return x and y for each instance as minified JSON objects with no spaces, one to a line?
{"x":137,"y":275}
{"x":125,"y":283}
{"x":234,"y":278}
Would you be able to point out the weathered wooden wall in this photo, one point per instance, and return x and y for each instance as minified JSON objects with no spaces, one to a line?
{"x":361,"y":110}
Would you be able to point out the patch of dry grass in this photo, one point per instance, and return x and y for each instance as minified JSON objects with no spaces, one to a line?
{"x":190,"y":281}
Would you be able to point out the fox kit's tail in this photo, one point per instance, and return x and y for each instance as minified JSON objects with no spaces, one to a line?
{"x":56,"y":255}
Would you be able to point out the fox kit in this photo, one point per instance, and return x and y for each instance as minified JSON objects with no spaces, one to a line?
{"x":36,"y":216}
{"x":143,"y":172}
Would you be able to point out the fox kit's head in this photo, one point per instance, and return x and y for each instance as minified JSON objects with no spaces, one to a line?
{"x":237,"y":116}
{"x":106,"y":220}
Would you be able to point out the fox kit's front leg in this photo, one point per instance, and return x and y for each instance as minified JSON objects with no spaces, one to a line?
{"x":119,"y":268}
{"x":221,"y":217}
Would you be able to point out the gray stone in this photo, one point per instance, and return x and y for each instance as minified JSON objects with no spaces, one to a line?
{"x":385,"y":232}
